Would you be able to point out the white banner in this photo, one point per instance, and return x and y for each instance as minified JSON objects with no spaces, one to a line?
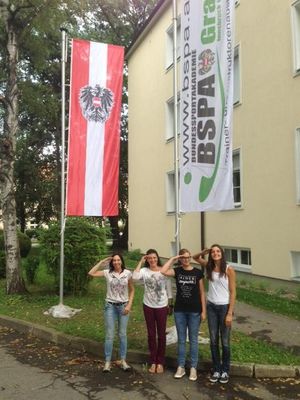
{"x":207,"y":58}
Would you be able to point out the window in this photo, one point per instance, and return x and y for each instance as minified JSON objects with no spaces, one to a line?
{"x":169,"y":44}
{"x":170,"y":118}
{"x":239,"y":258}
{"x":296,"y":34}
{"x":297,"y":149}
{"x":295,"y":273}
{"x":170,"y":192}
{"x":236,"y":76}
{"x":236,"y":178}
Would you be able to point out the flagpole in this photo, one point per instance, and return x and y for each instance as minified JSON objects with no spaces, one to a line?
{"x":63,"y":139}
{"x":62,"y":311}
{"x":175,"y":127}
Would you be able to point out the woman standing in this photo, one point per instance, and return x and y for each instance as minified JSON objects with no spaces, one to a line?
{"x":156,"y":302}
{"x":220,"y":303}
{"x":189,"y":308}
{"x":118,"y":302}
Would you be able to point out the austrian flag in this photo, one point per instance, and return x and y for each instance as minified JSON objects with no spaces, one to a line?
{"x":94,"y":129}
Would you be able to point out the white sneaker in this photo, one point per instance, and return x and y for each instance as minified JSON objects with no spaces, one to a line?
{"x":179,"y":373}
{"x":124,"y":366}
{"x":193,"y":374}
{"x":224,"y":378}
{"x":215,"y":377}
{"x":107,"y":367}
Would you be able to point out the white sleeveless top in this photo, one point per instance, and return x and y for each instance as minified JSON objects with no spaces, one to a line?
{"x":218,"y":289}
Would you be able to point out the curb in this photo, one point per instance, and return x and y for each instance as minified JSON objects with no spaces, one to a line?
{"x":248,"y":370}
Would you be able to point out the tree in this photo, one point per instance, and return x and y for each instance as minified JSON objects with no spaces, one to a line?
{"x":16,"y":26}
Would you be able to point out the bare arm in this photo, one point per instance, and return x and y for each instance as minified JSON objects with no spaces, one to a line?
{"x":203,"y":300}
{"x":136,"y":272}
{"x":166,"y":268}
{"x":96,"y":270}
{"x":232,"y":295}
{"x":199,"y":257}
{"x":131,"y":296}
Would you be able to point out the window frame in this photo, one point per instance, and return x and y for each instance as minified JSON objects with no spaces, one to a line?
{"x":297,"y":164}
{"x":238,"y":265}
{"x":237,"y":97}
{"x":169,"y":44}
{"x":170,"y":192}
{"x":295,"y":25}
{"x":237,"y":151}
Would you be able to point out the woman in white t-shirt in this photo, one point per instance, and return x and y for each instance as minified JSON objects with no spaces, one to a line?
{"x":157,"y":303}
{"x":118,"y":302}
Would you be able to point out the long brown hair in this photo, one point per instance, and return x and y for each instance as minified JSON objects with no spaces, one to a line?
{"x":211,"y":264}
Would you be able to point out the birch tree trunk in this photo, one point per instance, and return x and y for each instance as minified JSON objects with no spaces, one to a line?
{"x":14,"y":281}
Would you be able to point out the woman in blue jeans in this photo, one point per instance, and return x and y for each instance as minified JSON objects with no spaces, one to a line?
{"x":118,"y":302}
{"x":220,"y":302}
{"x":189,"y":309}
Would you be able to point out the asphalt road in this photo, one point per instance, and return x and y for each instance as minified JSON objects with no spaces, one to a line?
{"x":33,"y":369}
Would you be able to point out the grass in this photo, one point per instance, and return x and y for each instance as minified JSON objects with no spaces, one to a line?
{"x":89,"y":322}
{"x":270,"y":301}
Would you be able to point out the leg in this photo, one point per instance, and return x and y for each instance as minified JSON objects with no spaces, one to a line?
{"x":122,"y":325}
{"x":181,"y":327}
{"x":193,"y":327}
{"x":213,"y":326}
{"x":161,"y":322}
{"x":225,"y":340}
{"x":149,"y":314}
{"x":110,"y":318}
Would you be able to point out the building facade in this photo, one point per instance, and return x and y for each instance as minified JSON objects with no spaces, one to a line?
{"x":261,"y":235}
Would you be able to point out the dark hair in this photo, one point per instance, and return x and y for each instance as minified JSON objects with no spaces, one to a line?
{"x":111,"y":267}
{"x":211,"y":264}
{"x":153,"y":251}
{"x":181,"y":252}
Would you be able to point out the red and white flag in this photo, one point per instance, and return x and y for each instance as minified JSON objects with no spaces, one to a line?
{"x":94,"y":129}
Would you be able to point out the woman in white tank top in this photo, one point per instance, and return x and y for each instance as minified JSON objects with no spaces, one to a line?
{"x":220,"y":302}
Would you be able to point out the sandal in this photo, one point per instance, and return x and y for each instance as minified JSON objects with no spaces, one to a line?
{"x":152,"y":369}
{"x":159,"y":369}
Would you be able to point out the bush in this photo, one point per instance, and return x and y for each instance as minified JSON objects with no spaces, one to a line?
{"x":84,"y":244}
{"x":25,"y":246}
{"x":31,"y":265}
{"x":135,"y":254}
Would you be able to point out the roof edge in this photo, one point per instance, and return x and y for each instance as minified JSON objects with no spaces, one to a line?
{"x":158,"y":10}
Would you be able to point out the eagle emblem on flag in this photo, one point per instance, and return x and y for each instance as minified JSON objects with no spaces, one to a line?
{"x":96,"y":103}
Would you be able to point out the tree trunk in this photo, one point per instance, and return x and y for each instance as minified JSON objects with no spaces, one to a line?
{"x":14,"y":281}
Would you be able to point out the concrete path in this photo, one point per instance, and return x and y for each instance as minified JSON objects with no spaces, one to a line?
{"x":38,"y":370}
{"x":268,"y":326}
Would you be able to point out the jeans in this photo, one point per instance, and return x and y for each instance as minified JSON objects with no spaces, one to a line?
{"x":114,"y":313}
{"x":156,"y":321}
{"x":216,"y":323}
{"x":187,"y":321}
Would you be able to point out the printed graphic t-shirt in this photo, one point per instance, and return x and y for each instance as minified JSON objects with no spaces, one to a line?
{"x":188,"y":291}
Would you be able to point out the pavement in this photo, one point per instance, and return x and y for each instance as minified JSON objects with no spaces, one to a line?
{"x":257,"y":323}
{"x":36,"y":369}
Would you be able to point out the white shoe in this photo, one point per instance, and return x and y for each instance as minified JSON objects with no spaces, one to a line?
{"x":179,"y":373}
{"x":124,"y":366}
{"x":193,"y":374}
{"x":107,"y":367}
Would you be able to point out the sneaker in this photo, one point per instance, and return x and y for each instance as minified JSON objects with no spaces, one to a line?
{"x":215,"y":377}
{"x":107,"y":367}
{"x":124,"y":366}
{"x":193,"y":374}
{"x":179,"y":373}
{"x":224,"y":378}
